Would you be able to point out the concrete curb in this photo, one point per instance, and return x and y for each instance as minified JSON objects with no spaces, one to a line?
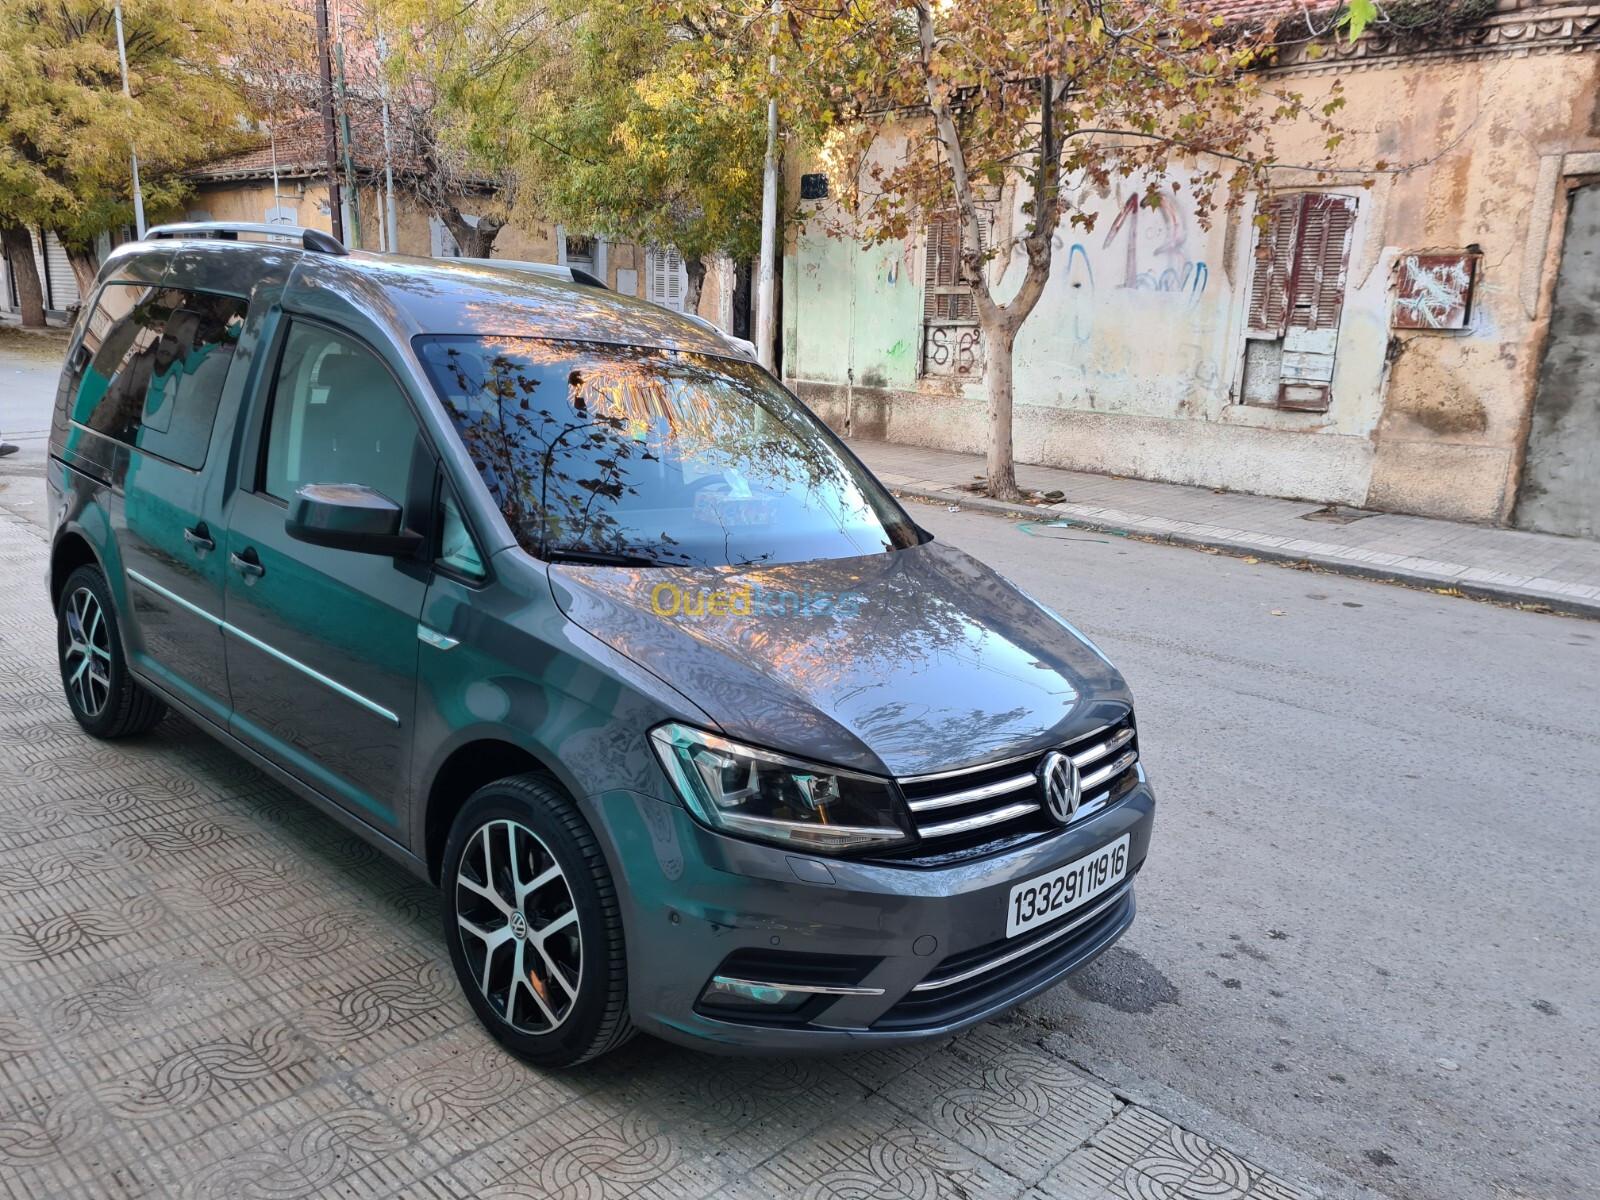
{"x":1260,"y":1150}
{"x":1570,"y":606}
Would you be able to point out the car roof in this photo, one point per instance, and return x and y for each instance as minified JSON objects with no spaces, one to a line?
{"x":412,"y":295}
{"x":442,"y":296}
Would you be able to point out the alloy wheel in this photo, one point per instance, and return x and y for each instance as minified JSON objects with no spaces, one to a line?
{"x":86,"y":652}
{"x":519,"y":925}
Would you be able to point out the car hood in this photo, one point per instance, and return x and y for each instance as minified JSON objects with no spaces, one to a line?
{"x":910,"y":662}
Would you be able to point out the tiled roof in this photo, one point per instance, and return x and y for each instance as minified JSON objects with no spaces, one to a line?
{"x":1237,"y":12}
{"x":295,"y":150}
{"x":298,"y":148}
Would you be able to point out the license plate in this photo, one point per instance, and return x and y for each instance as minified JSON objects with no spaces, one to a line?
{"x":1046,"y":897}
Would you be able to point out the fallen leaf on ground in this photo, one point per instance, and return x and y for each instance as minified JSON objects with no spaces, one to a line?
{"x":1277,"y":612}
{"x":1250,"y":558}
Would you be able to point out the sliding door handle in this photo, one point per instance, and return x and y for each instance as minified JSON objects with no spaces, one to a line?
{"x":200,"y":538}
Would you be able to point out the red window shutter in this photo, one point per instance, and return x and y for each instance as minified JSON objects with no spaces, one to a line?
{"x":945,"y":297}
{"x":1322,"y":262}
{"x":943,"y":246}
{"x":1274,"y":266}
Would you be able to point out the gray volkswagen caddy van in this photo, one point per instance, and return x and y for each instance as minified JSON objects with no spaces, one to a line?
{"x":572,"y":609}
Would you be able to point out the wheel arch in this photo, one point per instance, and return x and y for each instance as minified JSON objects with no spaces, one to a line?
{"x":467,"y":768}
{"x":71,"y":551}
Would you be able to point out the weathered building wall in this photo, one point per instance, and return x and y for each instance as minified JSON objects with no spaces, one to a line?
{"x":1133,"y":362}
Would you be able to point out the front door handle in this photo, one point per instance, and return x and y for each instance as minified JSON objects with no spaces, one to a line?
{"x":247,"y":564}
{"x":200,"y":538}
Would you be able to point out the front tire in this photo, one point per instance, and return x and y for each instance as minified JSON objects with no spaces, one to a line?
{"x":105,"y":698}
{"x":533,"y":924}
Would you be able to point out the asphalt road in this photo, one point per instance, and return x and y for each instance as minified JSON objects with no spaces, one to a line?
{"x":30,"y":364}
{"x":1369,"y":920}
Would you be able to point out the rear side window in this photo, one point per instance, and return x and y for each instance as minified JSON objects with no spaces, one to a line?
{"x":155,"y":360}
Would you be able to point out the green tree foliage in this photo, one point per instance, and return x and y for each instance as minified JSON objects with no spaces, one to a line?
{"x":621,"y":143}
{"x":1037,"y":107}
{"x":66,"y":128}
{"x":586,"y":106}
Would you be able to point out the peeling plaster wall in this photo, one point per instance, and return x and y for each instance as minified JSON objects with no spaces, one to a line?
{"x":1132,"y":362}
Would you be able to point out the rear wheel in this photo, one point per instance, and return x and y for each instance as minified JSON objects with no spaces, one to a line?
{"x":105,"y":698}
{"x":533,"y":924}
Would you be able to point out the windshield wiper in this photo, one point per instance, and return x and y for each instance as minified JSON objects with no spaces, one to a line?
{"x":600,"y":558}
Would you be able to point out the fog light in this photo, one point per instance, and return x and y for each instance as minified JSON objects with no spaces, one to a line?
{"x":749,"y":996}
{"x":761,"y":993}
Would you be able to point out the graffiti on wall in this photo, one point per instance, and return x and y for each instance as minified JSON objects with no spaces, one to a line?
{"x":953,"y":349}
{"x":1168,"y":267}
{"x":1435,"y":291}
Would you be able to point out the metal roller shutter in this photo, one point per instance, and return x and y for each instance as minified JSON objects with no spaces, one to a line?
{"x":62,"y":288}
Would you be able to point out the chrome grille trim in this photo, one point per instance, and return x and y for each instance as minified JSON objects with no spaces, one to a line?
{"x":811,"y":989}
{"x":1106,"y":772}
{"x":995,"y":795}
{"x":993,"y":817}
{"x":994,"y":964}
{"x":1000,"y":762}
{"x":989,"y":790}
{"x":1096,"y":753}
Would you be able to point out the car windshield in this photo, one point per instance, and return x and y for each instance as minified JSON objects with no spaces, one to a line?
{"x":637,"y":456}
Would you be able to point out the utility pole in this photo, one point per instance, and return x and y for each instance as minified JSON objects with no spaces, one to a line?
{"x":391,"y":223}
{"x":138,"y":192}
{"x":766,"y":299}
{"x":330,"y":138}
{"x":349,"y":162}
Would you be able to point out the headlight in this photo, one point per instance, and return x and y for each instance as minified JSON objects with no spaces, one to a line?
{"x":759,"y":794}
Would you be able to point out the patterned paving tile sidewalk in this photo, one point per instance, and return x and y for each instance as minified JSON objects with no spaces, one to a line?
{"x":209,"y":990}
{"x":1478,"y":560}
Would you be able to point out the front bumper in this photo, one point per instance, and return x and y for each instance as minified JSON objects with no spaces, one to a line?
{"x":927,"y":944}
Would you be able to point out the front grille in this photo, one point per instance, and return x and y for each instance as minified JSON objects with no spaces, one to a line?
{"x":967,"y":814}
{"x":967,"y":983}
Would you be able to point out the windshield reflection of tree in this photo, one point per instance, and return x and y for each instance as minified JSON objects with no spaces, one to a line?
{"x":566,"y":467}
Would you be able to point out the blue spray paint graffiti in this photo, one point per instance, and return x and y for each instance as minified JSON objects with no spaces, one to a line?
{"x":1080,"y":281}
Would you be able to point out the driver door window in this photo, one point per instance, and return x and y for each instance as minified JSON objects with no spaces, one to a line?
{"x":337,"y":417}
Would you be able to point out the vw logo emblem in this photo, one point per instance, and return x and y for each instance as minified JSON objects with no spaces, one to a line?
{"x":1063,"y":786}
{"x":519,"y":925}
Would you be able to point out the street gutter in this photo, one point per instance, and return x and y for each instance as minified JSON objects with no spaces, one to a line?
{"x":1151,"y":530}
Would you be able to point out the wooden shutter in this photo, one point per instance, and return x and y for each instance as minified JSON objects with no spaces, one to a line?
{"x":1321,"y":263}
{"x":944,"y":296}
{"x":1274,"y":265}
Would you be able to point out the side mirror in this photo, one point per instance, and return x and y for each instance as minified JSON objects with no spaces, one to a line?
{"x":348,"y":516}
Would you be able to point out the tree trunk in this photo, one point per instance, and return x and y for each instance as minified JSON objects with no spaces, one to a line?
{"x":474,"y":241}
{"x":1002,"y":469}
{"x":695,"y":268}
{"x":25,"y":272}
{"x":85,"y":266}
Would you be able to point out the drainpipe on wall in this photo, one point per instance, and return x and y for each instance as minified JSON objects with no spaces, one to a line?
{"x":849,"y":400}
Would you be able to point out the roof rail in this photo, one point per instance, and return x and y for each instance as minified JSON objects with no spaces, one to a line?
{"x":310,"y":239}
{"x":551,"y":270}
